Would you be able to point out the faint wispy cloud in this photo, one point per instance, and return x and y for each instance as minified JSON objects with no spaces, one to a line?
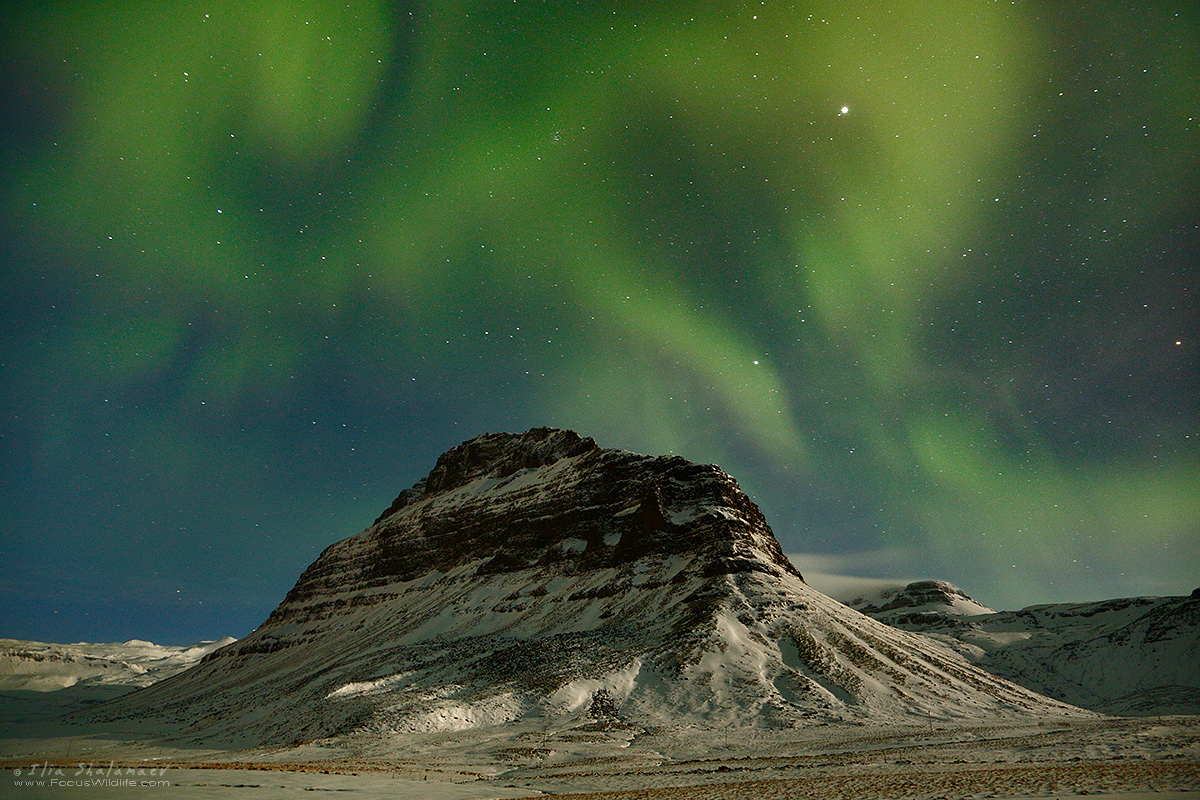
{"x":844,"y":576}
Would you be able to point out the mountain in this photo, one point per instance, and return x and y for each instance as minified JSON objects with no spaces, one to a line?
{"x":919,"y":598}
{"x":1132,"y":656}
{"x":538,"y":576}
{"x":43,"y":667}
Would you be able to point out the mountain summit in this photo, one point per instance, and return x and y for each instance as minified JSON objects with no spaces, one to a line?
{"x":546,"y":499}
{"x":538,"y":576}
{"x":919,"y":597}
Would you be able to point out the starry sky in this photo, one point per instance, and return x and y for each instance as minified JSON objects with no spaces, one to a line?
{"x":922,"y":276}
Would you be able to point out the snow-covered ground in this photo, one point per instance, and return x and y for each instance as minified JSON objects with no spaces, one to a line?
{"x":47,"y":753}
{"x":1129,"y":759}
{"x":44,"y":753}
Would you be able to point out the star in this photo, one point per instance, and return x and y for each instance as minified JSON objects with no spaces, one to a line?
{"x":845,"y":110}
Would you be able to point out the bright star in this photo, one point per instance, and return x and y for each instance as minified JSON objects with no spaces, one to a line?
{"x":845,"y":110}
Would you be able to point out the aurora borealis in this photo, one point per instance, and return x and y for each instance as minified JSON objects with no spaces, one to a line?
{"x":921,"y":276}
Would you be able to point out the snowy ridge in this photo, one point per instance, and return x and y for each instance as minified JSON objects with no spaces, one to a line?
{"x":42,"y":667}
{"x":1126,"y":656}
{"x":538,"y":576}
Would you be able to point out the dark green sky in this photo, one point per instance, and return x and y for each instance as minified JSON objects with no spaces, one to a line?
{"x":922,"y":276}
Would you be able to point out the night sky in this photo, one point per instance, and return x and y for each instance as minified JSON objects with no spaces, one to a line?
{"x":921,"y":276}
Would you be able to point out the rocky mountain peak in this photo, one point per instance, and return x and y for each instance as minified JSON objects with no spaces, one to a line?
{"x":549,"y":499}
{"x":501,"y":454}
{"x":495,"y":455}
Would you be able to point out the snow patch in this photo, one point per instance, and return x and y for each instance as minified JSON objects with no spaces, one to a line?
{"x":579,"y":694}
{"x":451,"y":716}
{"x":370,"y":687}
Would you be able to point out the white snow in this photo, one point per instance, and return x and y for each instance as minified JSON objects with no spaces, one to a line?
{"x":371,"y":687}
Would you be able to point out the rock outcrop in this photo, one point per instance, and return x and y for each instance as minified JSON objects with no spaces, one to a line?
{"x":539,"y":576}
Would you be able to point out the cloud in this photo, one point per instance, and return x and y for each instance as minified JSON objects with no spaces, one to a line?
{"x":844,"y":576}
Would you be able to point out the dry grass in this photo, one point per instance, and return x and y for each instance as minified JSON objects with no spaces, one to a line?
{"x":1040,"y":779}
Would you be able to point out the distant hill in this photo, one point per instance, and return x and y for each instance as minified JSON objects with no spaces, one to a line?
{"x":1133,"y":656}
{"x":43,"y":667}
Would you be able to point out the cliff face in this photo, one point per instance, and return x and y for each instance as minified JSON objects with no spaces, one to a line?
{"x":547,"y":499}
{"x":537,"y":575}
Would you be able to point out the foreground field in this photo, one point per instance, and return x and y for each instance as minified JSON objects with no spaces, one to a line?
{"x":1109,"y":757}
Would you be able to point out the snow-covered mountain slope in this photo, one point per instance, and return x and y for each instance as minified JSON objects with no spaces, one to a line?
{"x":1129,"y":656}
{"x":539,"y":576}
{"x":42,"y":667}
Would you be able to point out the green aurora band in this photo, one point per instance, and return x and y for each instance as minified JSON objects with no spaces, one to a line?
{"x":240,"y":231}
